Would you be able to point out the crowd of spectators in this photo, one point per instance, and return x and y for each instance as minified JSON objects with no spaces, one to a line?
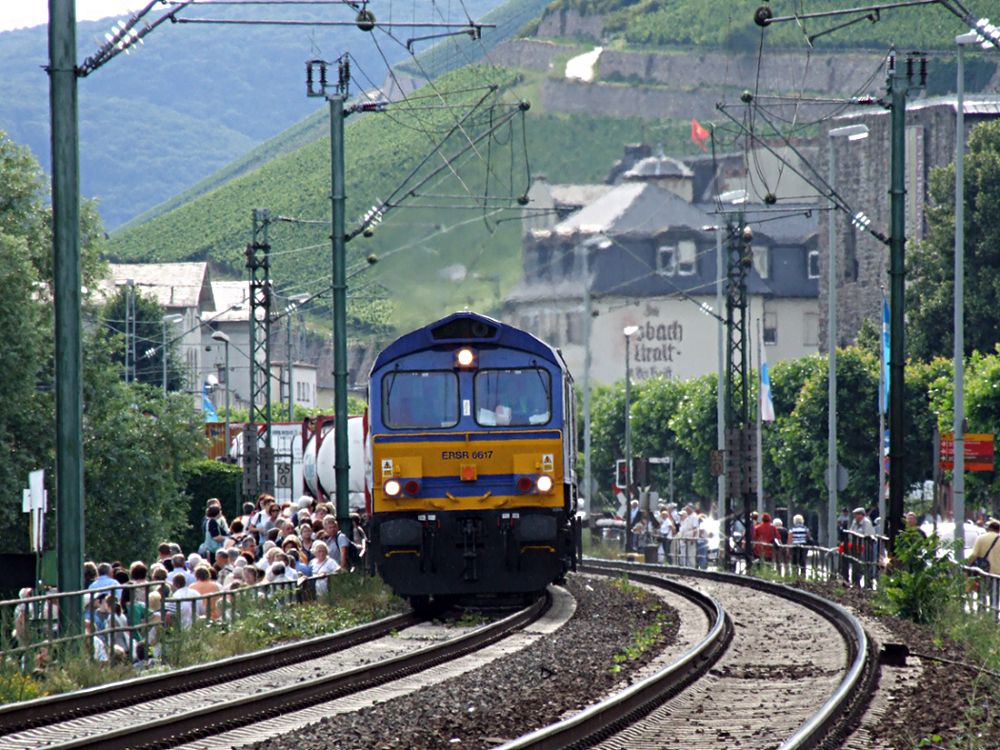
{"x":292,"y":547}
{"x":680,"y":534}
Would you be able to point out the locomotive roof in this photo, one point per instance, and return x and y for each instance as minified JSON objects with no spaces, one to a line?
{"x":459,"y":328}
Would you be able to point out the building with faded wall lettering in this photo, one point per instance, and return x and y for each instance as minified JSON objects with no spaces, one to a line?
{"x":650,"y":256}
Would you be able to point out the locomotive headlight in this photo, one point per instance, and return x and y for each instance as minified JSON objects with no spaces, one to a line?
{"x":392,"y":488}
{"x":465,"y":357}
{"x":544,"y":483}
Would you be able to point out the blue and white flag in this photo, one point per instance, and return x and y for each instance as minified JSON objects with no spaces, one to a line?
{"x":766,"y":402}
{"x":207,"y":407}
{"x":884,"y":405}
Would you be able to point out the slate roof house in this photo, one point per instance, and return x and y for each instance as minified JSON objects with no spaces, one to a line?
{"x":648,"y":256}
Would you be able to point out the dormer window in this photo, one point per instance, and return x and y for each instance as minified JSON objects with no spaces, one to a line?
{"x":687,"y":258}
{"x":813,"y":264}
{"x":762,"y":261}
{"x":666,"y":260}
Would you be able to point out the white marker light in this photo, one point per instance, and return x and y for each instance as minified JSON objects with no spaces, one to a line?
{"x":393,"y":488}
{"x":544,"y":483}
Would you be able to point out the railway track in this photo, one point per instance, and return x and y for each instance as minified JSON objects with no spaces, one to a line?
{"x":45,"y":711}
{"x":773,"y":668}
{"x":789,"y":679}
{"x":191,"y":704}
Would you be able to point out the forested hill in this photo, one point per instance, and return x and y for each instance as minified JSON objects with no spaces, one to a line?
{"x":188,"y":101}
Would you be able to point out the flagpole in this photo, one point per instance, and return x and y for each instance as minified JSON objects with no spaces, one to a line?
{"x":881,"y":418}
{"x":881,"y":437}
{"x":760,"y":458}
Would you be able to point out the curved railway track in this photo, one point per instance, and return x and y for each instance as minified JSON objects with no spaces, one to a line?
{"x":775,"y":668}
{"x":200,"y":709}
{"x":756,"y":696}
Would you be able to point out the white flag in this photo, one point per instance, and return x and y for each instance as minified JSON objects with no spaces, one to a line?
{"x":766,"y":403}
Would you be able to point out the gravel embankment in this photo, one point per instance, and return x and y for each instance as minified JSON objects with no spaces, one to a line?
{"x":938,"y":702}
{"x":515,"y":694}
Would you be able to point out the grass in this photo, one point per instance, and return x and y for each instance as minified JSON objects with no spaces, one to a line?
{"x":642,"y":639}
{"x":352,"y":600}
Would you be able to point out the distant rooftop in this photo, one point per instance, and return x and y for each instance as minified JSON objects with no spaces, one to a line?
{"x":172,"y":285}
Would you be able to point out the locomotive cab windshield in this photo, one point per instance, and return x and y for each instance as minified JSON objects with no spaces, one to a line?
{"x":516,"y":398}
{"x":419,"y":400}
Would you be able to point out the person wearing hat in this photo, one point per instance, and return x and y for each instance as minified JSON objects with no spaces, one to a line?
{"x":986,"y":546}
{"x":862,"y":524}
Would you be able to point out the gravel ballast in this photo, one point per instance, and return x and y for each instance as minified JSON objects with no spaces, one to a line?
{"x":517,"y":693}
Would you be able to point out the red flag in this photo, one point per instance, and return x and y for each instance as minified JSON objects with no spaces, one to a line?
{"x":699,"y":134}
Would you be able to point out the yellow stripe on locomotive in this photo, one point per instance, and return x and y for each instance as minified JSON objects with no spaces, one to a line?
{"x":468,"y":473}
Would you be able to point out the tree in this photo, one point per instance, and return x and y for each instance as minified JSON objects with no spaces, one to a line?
{"x":147,"y":366}
{"x":930,"y":292}
{"x":135,"y":441}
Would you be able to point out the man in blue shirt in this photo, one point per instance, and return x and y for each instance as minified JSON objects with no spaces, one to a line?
{"x":104,"y":579}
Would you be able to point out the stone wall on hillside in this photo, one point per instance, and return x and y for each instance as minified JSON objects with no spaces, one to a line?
{"x":526,"y":53}
{"x":570,"y":23}
{"x":785,"y":73}
{"x":655,"y":102}
{"x":568,"y":95}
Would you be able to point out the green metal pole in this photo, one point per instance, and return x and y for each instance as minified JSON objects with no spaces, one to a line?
{"x":341,"y":464}
{"x":628,"y":445}
{"x":898,"y":85}
{"x":288,"y":341}
{"x":66,"y":284}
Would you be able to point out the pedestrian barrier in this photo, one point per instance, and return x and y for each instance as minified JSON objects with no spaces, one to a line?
{"x":29,"y":626}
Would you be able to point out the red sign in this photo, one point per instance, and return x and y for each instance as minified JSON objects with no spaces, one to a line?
{"x":978,"y":452}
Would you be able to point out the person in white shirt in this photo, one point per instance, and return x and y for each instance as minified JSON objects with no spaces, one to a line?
{"x":181,"y":591}
{"x":323,"y":565}
{"x":667,"y":531}
{"x":688,"y":533}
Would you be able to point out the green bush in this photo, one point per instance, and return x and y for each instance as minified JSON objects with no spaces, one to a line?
{"x":207,"y":479}
{"x":15,"y":687}
{"x":919,"y":585}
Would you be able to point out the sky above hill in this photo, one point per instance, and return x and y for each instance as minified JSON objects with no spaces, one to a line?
{"x":15,"y":15}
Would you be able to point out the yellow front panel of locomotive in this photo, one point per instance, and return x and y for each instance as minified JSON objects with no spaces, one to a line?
{"x":490,"y":467}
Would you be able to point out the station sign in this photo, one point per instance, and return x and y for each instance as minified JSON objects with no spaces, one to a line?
{"x":978,"y":451}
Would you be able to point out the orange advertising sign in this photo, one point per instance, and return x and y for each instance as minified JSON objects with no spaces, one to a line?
{"x":978,"y":451}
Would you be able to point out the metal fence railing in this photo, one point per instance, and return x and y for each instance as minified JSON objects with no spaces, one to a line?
{"x":856,"y":559}
{"x":120,"y":625}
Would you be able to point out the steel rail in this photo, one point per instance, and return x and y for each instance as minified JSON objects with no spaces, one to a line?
{"x":200,"y":723}
{"x":638,"y":700}
{"x":851,"y":695}
{"x":42,"y":711}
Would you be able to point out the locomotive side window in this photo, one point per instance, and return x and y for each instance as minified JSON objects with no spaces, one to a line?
{"x":419,"y":400}
{"x":513,"y":397}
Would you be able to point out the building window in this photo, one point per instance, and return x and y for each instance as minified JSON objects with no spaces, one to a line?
{"x":568,"y":261}
{"x":762,"y":261}
{"x":687,"y":258}
{"x":574,"y":328}
{"x":770,"y":328}
{"x":813,"y":264}
{"x":666,"y":260}
{"x":810,"y":329}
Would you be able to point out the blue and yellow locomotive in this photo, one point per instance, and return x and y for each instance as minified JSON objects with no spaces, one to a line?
{"x":473,"y":460}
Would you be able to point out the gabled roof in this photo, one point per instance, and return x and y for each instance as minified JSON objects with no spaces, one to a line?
{"x":635,"y":208}
{"x":172,"y":285}
{"x":576,"y":195}
{"x":232,"y":301}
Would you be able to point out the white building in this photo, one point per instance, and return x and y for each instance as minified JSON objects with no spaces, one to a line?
{"x":232,"y":317}
{"x":650,"y":255}
{"x":183,"y":289}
